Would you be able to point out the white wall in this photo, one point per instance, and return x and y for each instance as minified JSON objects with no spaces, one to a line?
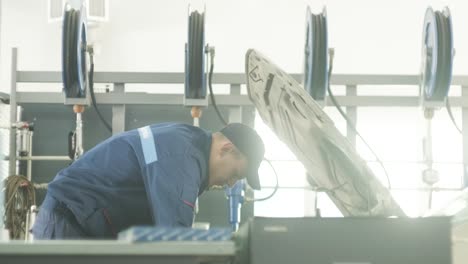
{"x":149,"y":35}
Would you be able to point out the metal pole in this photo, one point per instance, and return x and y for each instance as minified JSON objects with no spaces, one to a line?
{"x":19,"y":141}
{"x":12,"y":162}
{"x":235,"y":112}
{"x":118,"y":111}
{"x":14,"y":63}
{"x":465,"y":137}
{"x":351,"y":111}
{"x":29,"y":162}
{"x":44,"y":158}
{"x":79,"y":136}
{"x":32,"y":220}
{"x":428,"y":158}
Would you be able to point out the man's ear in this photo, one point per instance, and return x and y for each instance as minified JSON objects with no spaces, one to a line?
{"x":226,"y":148}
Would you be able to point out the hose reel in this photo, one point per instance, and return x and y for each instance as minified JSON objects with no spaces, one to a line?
{"x":315,"y":55}
{"x":196,"y":53}
{"x":437,"y":55}
{"x":195,"y":76}
{"x":74,"y":59}
{"x":436,"y":77}
{"x":75,"y":76}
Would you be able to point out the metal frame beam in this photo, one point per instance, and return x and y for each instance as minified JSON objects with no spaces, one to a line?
{"x":225,"y":78}
{"x":227,"y":100}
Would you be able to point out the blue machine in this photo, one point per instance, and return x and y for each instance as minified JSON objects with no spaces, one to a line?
{"x":235,"y":196}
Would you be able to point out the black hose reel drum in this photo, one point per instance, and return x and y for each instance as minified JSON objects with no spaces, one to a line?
{"x":437,"y":55}
{"x":195,"y":61}
{"x":74,"y":59}
{"x":315,"y":55}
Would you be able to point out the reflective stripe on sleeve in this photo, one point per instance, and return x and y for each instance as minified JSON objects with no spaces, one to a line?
{"x":147,"y":143}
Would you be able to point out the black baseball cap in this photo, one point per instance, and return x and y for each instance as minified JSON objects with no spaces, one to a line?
{"x":249,"y":143}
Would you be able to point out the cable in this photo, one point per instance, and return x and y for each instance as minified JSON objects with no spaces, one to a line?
{"x":341,"y":185}
{"x":210,"y":78}
{"x":348,"y":121}
{"x":19,"y":196}
{"x":4,"y":100}
{"x":449,"y":111}
{"x":93,"y":98}
{"x":274,"y":191}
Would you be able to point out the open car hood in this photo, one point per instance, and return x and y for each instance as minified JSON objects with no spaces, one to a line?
{"x":331,"y":162}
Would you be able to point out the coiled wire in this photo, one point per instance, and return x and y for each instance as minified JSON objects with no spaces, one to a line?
{"x":19,"y":197}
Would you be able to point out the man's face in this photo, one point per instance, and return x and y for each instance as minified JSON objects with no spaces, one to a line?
{"x":229,"y":166}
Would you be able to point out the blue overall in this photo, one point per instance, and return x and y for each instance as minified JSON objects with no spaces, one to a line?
{"x":148,"y":176}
